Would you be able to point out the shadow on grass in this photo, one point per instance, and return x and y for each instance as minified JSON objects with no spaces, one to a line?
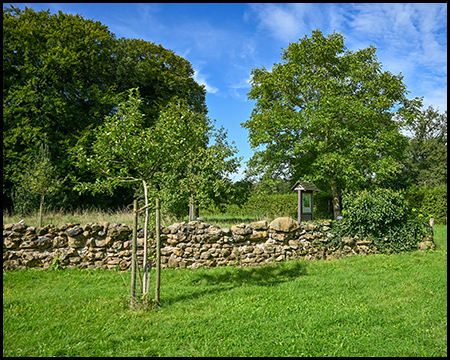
{"x":209,"y":281}
{"x":270,"y":274}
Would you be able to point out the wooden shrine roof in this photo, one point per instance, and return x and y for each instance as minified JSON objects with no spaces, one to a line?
{"x":303,"y":185}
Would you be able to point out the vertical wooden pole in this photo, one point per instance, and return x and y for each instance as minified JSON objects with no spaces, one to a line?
{"x":158,"y":253}
{"x":312,"y":205}
{"x":145,"y":264}
{"x":134,"y":257}
{"x":432,"y":227}
{"x":299,"y":217}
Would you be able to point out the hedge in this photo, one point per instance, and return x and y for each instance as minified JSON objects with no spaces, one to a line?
{"x":429,"y":202}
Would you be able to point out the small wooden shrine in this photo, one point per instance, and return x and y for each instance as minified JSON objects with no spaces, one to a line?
{"x":305,"y":200}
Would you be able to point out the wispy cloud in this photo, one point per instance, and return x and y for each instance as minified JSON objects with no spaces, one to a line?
{"x":240,"y":89}
{"x":201,"y":79}
{"x":411,"y":39}
{"x":407,"y":28}
{"x":284,"y":22}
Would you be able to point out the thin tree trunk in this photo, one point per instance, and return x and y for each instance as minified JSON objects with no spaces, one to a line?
{"x":336,"y":202}
{"x":41,"y":208}
{"x":191,"y":209}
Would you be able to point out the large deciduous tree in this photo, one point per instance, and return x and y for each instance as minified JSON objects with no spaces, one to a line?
{"x":62,"y":74}
{"x":426,"y":163}
{"x":161,"y":76}
{"x":55,"y":83}
{"x":328,"y":115}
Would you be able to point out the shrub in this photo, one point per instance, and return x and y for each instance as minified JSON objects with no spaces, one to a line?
{"x":382,"y":215}
{"x":429,"y":201}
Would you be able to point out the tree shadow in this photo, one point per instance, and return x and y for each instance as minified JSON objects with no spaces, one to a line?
{"x":263,"y":275}
{"x":225,"y":279}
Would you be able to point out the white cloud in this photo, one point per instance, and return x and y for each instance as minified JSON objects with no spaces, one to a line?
{"x":201,"y":79}
{"x":406,"y":30}
{"x":284,"y":22}
{"x":336,"y":18}
{"x":410,"y":38}
{"x":236,"y":90}
{"x":240,"y":175}
{"x":437,"y":98}
{"x":243,"y":83}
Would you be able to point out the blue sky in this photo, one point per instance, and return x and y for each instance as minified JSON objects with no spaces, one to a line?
{"x":224,"y":42}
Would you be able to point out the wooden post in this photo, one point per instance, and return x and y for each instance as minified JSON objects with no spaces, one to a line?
{"x":312,"y":205}
{"x":299,"y":217}
{"x":134,"y":257}
{"x":432,"y":227}
{"x":146,"y":264}
{"x":158,"y":253}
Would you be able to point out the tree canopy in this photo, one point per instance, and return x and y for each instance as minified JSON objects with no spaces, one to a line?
{"x":426,"y":162}
{"x":172,"y":158}
{"x":63,"y":75}
{"x":328,"y":115}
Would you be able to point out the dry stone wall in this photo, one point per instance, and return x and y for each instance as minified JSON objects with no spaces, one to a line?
{"x":191,"y":245}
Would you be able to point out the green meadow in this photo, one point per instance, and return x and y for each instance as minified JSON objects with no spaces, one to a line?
{"x":378,"y":305}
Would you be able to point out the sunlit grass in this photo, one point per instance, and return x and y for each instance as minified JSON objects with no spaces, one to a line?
{"x":57,"y":218}
{"x":124,"y":216}
{"x":378,"y":305}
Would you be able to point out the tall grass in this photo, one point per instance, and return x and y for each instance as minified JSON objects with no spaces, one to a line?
{"x":378,"y":305}
{"x":81,"y":216}
{"x":124,"y":216}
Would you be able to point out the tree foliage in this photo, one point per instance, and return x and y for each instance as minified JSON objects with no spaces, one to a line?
{"x":36,"y":183}
{"x":172,"y":156}
{"x":429,"y":201}
{"x":426,"y":162}
{"x":55,"y":83}
{"x":383,"y":216}
{"x":161,"y":76}
{"x":328,"y":115}
{"x":62,"y":75}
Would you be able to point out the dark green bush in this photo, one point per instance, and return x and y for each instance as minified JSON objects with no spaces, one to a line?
{"x":382,"y":215}
{"x":429,"y":202}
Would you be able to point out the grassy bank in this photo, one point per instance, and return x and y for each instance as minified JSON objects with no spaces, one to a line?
{"x":378,"y":305}
{"x":59,"y":218}
{"x":124,"y":216}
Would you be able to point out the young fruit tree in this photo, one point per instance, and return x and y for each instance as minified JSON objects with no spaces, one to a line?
{"x":328,"y":115}
{"x":169,"y":156}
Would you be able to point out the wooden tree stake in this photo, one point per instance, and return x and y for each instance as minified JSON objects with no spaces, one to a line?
{"x":134,"y":257}
{"x":158,"y":252}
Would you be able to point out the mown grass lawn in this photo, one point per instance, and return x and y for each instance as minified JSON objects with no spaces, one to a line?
{"x":382,"y":305}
